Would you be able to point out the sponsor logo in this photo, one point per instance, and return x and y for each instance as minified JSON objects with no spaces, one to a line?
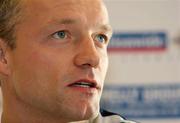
{"x":138,"y":41}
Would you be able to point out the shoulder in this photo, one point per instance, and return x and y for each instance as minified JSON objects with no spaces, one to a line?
{"x":109,"y":117}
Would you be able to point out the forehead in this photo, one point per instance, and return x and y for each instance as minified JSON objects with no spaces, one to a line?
{"x":71,"y":5}
{"x":84,"y":10}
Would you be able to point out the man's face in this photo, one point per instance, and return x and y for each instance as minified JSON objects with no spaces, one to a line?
{"x":60,"y":61}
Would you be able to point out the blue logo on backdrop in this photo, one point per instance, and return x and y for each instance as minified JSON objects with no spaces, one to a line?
{"x":138,"y":41}
{"x":156,"y":101}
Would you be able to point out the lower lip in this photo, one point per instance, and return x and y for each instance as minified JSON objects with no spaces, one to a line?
{"x":83,"y":89}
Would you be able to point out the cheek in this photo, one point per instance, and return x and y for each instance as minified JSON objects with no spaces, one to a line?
{"x":34,"y":74}
{"x":33,"y":63}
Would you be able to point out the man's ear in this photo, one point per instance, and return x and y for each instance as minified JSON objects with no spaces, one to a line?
{"x":4,"y":69}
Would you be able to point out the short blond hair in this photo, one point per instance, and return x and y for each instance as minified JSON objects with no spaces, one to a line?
{"x":9,"y":17}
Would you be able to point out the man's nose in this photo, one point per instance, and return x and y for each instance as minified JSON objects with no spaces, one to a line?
{"x":87,"y":55}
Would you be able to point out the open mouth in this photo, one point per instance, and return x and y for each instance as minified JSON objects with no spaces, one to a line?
{"x":83,"y":84}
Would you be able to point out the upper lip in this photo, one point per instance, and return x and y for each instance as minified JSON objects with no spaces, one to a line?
{"x":94,"y":83}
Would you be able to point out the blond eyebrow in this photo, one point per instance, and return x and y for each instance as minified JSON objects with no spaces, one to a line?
{"x":67,"y":21}
{"x":63,"y":21}
{"x":106,"y":27}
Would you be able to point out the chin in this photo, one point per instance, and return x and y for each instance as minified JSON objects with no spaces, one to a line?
{"x":86,"y":114}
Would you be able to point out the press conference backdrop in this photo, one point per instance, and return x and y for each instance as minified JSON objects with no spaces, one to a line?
{"x":143,"y":81}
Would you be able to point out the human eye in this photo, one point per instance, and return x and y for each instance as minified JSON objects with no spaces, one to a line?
{"x":101,"y":38}
{"x":60,"y":35}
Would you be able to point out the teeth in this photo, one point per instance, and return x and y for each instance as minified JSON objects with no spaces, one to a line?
{"x":83,"y":84}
